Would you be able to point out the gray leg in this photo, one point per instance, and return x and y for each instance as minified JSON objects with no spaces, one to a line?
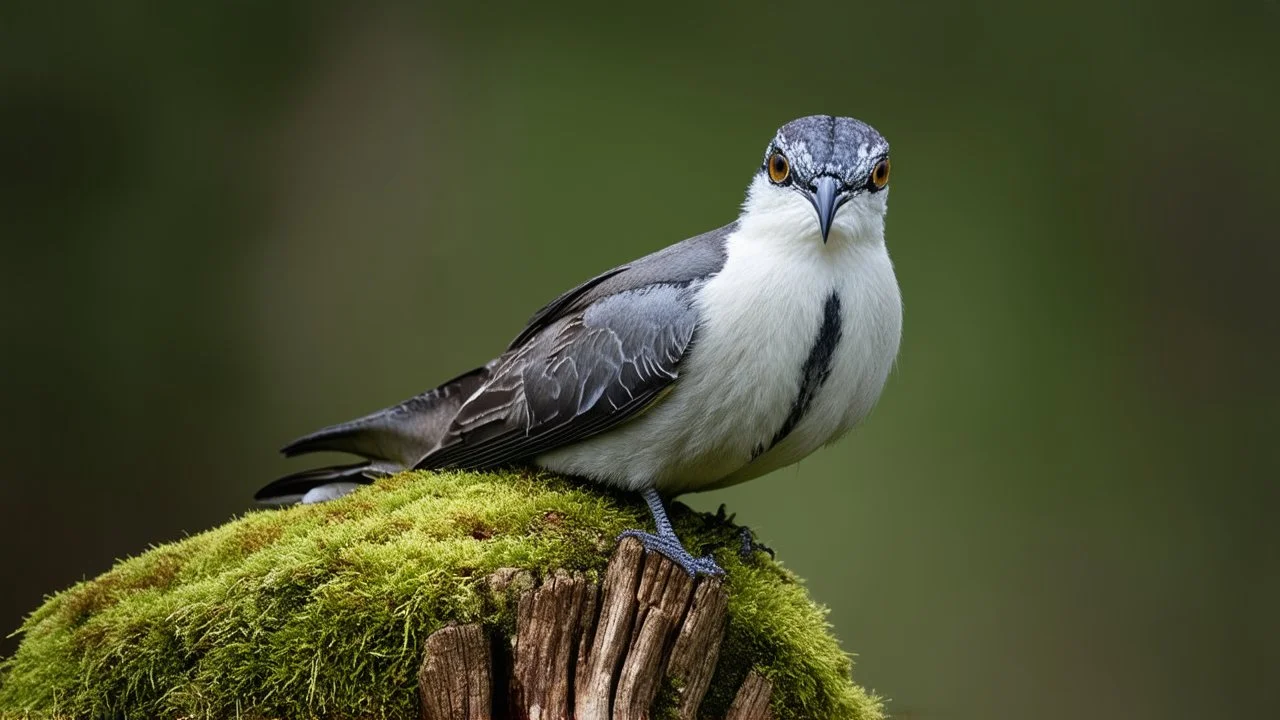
{"x":665,"y":541}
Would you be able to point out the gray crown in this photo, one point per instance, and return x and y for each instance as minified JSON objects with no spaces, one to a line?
{"x":841,"y":147}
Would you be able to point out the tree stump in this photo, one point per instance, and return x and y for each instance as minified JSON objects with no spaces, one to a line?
{"x":592,"y":651}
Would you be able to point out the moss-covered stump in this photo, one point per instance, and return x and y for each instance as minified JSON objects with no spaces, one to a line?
{"x":324,"y":611}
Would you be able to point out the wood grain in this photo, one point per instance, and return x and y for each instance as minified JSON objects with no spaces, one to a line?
{"x":752,"y":700}
{"x":456,"y":680}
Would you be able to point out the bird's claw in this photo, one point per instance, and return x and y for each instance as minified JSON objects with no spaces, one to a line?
{"x":750,"y":546}
{"x":670,"y":548}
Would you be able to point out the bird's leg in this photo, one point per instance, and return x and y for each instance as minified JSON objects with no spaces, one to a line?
{"x":665,"y":541}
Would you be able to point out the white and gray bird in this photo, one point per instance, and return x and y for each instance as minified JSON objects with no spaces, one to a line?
{"x":710,"y":362}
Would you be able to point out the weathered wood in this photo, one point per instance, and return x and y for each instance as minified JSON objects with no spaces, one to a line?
{"x":661,"y":600}
{"x":663,"y":586}
{"x":639,"y":677}
{"x":592,"y":651}
{"x":752,"y":700}
{"x":548,"y":625}
{"x":697,"y":647}
{"x":597,"y":669}
{"x":455,"y":680}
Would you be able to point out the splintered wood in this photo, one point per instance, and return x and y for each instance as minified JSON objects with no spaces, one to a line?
{"x":548,"y":627}
{"x":752,"y":700}
{"x":592,"y":652}
{"x":455,"y":679}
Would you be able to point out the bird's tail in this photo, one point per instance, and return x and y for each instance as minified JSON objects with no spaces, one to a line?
{"x":317,"y":484}
{"x":388,"y":440}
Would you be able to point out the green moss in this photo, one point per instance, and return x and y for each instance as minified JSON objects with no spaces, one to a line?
{"x":321,"y":611}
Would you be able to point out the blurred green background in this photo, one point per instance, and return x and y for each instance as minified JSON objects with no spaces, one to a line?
{"x":226,"y":224}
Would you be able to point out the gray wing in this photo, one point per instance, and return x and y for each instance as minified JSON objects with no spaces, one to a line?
{"x":583,"y":373}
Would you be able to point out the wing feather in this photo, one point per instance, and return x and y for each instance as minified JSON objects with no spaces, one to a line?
{"x":585,"y":373}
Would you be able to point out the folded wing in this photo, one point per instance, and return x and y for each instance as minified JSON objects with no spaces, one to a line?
{"x":584,"y":373}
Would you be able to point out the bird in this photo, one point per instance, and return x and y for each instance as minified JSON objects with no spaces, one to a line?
{"x":702,"y":365}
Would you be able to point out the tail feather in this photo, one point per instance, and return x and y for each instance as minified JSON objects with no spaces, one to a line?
{"x":294,"y":488}
{"x":402,"y":433}
{"x":378,"y":437}
{"x":389,"y":440}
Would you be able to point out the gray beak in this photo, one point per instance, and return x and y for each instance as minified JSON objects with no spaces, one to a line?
{"x":823,"y":197}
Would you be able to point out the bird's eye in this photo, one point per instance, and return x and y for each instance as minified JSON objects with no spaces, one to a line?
{"x":779,"y":168}
{"x":880,"y":175}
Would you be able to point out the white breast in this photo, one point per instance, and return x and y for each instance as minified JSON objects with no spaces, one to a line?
{"x":760,"y":317}
{"x":870,"y":328}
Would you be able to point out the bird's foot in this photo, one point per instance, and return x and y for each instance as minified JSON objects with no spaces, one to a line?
{"x":669,"y":547}
{"x":750,"y":546}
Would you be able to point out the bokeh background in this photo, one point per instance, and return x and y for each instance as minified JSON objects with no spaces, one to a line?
{"x":226,"y":224}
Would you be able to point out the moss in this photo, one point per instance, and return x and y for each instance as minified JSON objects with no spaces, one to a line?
{"x":321,"y":611}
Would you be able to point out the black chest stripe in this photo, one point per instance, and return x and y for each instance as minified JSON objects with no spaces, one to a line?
{"x":814,"y":372}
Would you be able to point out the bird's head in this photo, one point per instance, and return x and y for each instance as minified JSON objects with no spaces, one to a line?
{"x":828,"y":174}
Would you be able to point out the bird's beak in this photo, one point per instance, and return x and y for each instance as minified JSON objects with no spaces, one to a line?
{"x":823,"y":197}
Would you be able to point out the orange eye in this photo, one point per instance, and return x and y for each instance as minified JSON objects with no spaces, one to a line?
{"x":779,"y":168}
{"x":880,"y":175}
